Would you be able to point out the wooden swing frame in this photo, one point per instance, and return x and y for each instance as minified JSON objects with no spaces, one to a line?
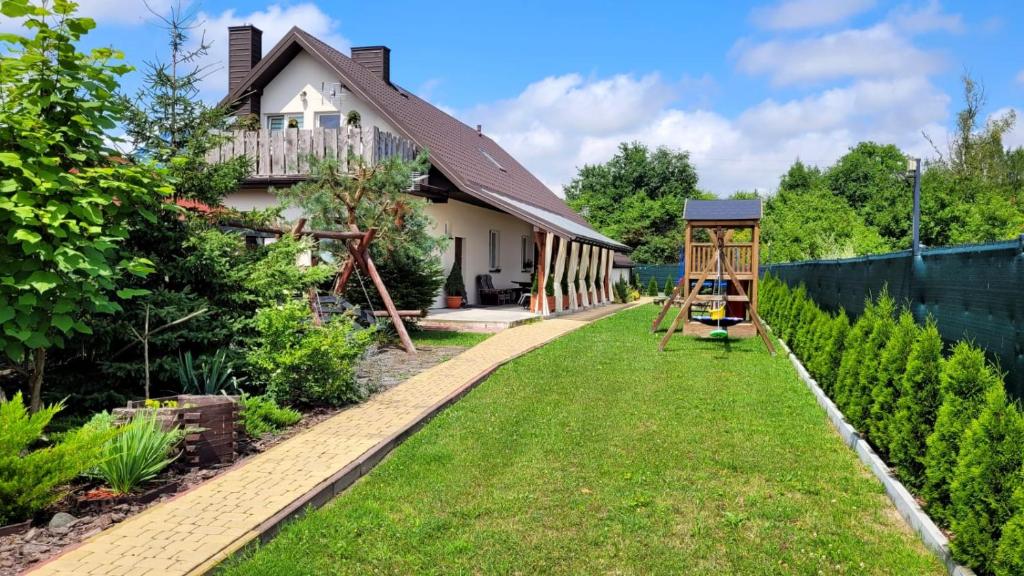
{"x":721,"y":233}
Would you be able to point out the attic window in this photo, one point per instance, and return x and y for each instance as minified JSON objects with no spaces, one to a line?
{"x":493,"y":161}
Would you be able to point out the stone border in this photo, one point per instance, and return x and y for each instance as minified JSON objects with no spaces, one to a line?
{"x":904,"y":501}
{"x":341,"y":480}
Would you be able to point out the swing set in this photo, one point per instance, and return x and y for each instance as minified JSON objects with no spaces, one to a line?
{"x":717,"y":289}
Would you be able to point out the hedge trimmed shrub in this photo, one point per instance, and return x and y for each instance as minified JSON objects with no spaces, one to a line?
{"x":826,"y":365}
{"x":889,"y":381}
{"x":851,"y":364}
{"x":917,"y":407}
{"x":986,"y":480}
{"x":966,"y":380}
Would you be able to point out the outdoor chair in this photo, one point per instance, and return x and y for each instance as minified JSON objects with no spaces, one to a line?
{"x":489,"y":295}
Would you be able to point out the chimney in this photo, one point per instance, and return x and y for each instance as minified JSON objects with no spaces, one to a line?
{"x":376,"y":59}
{"x":245,"y":48}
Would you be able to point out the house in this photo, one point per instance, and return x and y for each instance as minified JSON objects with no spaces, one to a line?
{"x":308,"y":98}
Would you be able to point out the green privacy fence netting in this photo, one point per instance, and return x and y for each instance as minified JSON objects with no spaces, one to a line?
{"x":972,"y":292}
{"x":658,"y":271}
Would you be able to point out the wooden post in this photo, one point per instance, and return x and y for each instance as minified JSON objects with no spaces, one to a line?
{"x":563,"y":246}
{"x":755,"y":266}
{"x":540,"y":273}
{"x":753,"y":313}
{"x":574,"y":253}
{"x":548,"y":242}
{"x":584,"y":265}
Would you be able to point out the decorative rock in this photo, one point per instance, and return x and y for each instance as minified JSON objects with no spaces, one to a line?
{"x":60,"y":530}
{"x":32,"y":550}
{"x":102,"y":521}
{"x":117,"y":517}
{"x":28,"y":536}
{"x":61,"y":520}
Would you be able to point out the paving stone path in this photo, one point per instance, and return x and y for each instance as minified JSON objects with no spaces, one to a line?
{"x":193,"y":532}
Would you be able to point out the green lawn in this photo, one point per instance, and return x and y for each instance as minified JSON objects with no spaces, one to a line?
{"x":596,"y":454}
{"x":447,"y":338}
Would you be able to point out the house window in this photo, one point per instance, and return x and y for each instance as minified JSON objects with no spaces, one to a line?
{"x":328,"y":120}
{"x":279,"y":122}
{"x":526,"y":250}
{"x":494,"y":250}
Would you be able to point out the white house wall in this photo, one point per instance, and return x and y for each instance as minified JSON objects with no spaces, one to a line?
{"x":474,"y":224}
{"x":283,"y":95}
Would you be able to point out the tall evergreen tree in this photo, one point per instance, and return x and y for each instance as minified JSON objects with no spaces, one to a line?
{"x":917,"y":406}
{"x":888,"y":380}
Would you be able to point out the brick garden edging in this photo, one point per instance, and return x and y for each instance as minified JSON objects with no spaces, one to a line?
{"x":904,"y":501}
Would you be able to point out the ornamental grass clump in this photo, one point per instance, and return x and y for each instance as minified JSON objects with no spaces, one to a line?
{"x":140,"y":451}
{"x":986,"y":482}
{"x":31,"y":478}
{"x":966,"y":380}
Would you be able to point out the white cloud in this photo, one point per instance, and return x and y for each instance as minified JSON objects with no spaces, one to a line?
{"x":125,"y":12}
{"x":930,"y":18}
{"x":880,"y":50}
{"x":1015,"y":137}
{"x":275,"y":20}
{"x":748,"y":151}
{"x":795,"y":14}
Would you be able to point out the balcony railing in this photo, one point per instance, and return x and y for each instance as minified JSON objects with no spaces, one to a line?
{"x":285,"y":153}
{"x":740,"y":255}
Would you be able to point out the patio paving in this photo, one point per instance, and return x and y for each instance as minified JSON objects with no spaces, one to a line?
{"x":196,"y":530}
{"x":478,"y":319}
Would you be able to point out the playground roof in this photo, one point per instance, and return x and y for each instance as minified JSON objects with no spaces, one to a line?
{"x":722,"y":210}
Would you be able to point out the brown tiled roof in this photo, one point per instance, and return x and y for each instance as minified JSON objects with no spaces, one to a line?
{"x":456,"y":149}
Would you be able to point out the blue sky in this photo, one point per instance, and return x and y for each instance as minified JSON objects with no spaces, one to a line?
{"x":746,"y":87}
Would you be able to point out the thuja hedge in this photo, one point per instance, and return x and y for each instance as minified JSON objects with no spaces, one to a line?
{"x":942,"y":419}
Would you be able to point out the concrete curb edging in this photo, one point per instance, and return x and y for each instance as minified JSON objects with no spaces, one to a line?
{"x":904,"y":501}
{"x":341,"y":480}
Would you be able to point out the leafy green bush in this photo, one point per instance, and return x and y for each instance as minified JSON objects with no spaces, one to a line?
{"x":305,"y":364}
{"x":669,"y":287}
{"x":965,"y":380}
{"x":261,"y":414}
{"x":989,"y":470}
{"x":889,"y":381}
{"x":30,"y":479}
{"x":140,"y":451}
{"x":211,"y":375}
{"x":917,"y":407}
{"x":652,"y":287}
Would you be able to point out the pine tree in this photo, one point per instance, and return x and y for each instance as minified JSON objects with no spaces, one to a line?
{"x":859,"y":401}
{"x":888,"y":381}
{"x":988,"y":473}
{"x":917,"y":406}
{"x":669,"y":287}
{"x":966,"y":380}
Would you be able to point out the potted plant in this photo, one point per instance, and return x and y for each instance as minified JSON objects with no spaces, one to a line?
{"x":454,"y":287}
{"x":549,"y":292}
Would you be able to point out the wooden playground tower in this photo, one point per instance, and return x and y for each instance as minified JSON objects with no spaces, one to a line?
{"x":735,"y":300}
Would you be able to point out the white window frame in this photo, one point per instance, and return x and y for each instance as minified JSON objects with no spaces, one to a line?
{"x":494,"y":250}
{"x":320,"y":115}
{"x":284,"y":120}
{"x":526,"y":254}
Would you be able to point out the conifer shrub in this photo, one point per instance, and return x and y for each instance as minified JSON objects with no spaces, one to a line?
{"x":965,"y":381}
{"x":917,"y":407}
{"x":986,"y":480}
{"x":850,"y":367}
{"x":830,"y":353}
{"x":889,"y":380}
{"x":859,"y":396}
{"x":791,"y":315}
{"x":669,"y":287}
{"x":652,"y":287}
{"x":1010,"y":552}
{"x":816,"y":335}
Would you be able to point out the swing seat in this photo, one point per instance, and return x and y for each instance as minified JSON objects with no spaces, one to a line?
{"x":719,"y":333}
{"x":724,"y":322}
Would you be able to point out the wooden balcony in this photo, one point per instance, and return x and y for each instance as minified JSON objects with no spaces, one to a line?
{"x":284,"y":154}
{"x":739,"y":254}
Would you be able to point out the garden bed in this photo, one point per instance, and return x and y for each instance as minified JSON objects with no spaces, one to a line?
{"x":382,"y":368}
